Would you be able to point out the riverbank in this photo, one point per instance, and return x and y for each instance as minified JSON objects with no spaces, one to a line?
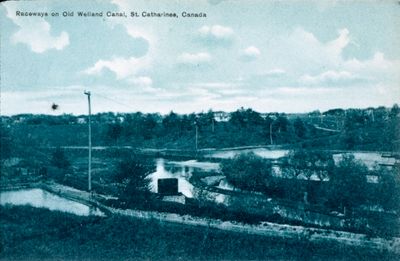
{"x":266,"y":229}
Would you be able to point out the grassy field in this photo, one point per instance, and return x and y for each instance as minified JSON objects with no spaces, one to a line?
{"x":37,"y":234}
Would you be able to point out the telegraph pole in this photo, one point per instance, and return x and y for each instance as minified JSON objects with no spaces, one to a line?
{"x":90,"y":144}
{"x":197,"y":135}
{"x":270,"y":133}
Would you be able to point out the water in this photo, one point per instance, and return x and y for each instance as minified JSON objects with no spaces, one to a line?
{"x":370,"y":159}
{"x":179,"y":171}
{"x":42,"y":199}
{"x":264,"y":153}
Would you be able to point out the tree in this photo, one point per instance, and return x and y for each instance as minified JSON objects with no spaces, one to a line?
{"x":299,"y":128}
{"x":282,"y":123}
{"x":133,"y":173}
{"x":388,"y":194}
{"x":395,"y":110}
{"x":5,"y":142}
{"x":248,"y":172}
{"x":348,"y":182}
{"x":59,"y":159}
{"x":307,"y":163}
{"x":246,"y":117}
{"x":149,"y":126}
{"x":170,"y":121}
{"x":113,"y":132}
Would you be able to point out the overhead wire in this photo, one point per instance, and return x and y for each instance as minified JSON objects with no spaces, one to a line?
{"x":114,"y":100}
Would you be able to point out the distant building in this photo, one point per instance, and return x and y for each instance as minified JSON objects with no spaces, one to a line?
{"x":167,"y":186}
{"x":168,"y":190}
{"x":221,"y":116}
{"x":81,"y":120}
{"x":272,"y":116}
{"x":120,"y":119}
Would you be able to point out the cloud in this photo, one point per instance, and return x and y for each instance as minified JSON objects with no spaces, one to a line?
{"x":377,"y":64}
{"x":307,"y":60}
{"x":215,"y":2}
{"x":302,"y":52}
{"x":141,"y":81}
{"x":35,"y":32}
{"x":275,"y":72}
{"x":328,"y":77}
{"x":251,"y":53}
{"x":324,"y":5}
{"x":122,"y":67}
{"x":335,"y":47}
{"x":193,"y":59}
{"x":216,"y":34}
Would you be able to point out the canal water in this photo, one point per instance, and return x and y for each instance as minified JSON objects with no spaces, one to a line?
{"x":264,"y":153}
{"x":43,"y":199}
{"x":181,"y":170}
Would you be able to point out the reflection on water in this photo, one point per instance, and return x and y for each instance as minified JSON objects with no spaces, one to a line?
{"x":224,"y":184}
{"x":182,"y":173}
{"x":204,"y":166}
{"x":43,"y":199}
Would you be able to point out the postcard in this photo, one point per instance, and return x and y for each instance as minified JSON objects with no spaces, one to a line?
{"x":200,"y":130}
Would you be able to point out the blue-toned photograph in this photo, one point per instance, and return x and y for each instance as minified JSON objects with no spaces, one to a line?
{"x":200,"y":130}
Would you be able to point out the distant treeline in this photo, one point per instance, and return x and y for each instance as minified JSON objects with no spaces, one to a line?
{"x":365,"y":129}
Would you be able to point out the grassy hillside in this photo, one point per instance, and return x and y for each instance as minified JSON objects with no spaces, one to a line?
{"x":37,"y":234}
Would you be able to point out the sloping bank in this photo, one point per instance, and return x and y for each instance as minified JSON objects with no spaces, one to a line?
{"x":314,"y":235}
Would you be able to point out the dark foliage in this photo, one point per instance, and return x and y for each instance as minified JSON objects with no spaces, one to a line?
{"x":248,"y":172}
{"x":132,"y":171}
{"x":367,"y":129}
{"x":5,"y":142}
{"x":307,"y":163}
{"x":348,"y":183}
{"x":60,"y":160}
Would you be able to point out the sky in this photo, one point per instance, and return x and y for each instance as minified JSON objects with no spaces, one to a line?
{"x":284,"y":56}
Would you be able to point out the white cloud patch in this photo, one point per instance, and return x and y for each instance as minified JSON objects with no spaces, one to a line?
{"x":195,"y":58}
{"x":143,"y":81}
{"x":327,"y":77}
{"x":302,"y":52}
{"x":312,"y":62}
{"x":251,"y":53}
{"x":217,"y":33}
{"x":122,"y":67}
{"x":378,"y":64}
{"x":35,"y":32}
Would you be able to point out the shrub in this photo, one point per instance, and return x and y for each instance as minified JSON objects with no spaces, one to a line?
{"x":248,"y":172}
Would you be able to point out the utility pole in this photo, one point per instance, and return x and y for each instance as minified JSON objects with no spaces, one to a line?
{"x":270,"y":133}
{"x":197,"y":135}
{"x":90,"y":144}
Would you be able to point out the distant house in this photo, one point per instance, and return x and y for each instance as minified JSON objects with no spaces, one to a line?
{"x":221,"y":116}
{"x":19,"y":119}
{"x":272,"y":116}
{"x":372,"y":179}
{"x":81,"y":120}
